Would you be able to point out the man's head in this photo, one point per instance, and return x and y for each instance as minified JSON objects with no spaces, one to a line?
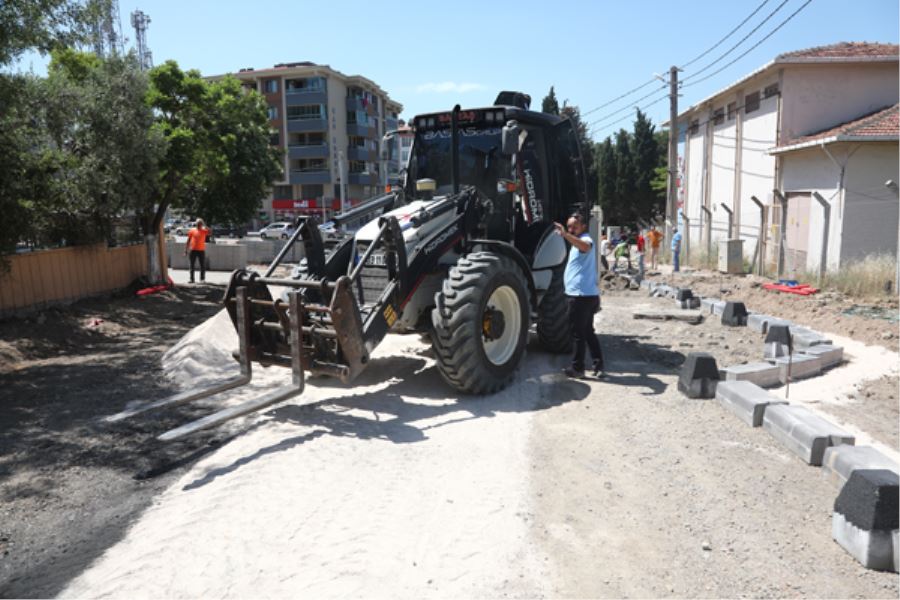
{"x":199,"y":222}
{"x":576,"y":224}
{"x":653,"y":228}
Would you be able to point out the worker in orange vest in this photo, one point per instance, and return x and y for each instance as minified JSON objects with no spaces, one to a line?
{"x":196,"y":244}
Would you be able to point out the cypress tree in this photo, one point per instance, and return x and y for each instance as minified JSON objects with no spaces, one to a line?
{"x":550,"y":104}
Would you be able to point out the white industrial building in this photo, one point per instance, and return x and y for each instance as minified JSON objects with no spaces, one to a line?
{"x":815,"y":128}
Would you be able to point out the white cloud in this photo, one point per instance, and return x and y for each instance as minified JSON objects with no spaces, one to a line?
{"x":445,"y":87}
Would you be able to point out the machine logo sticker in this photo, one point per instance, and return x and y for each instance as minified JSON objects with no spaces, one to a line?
{"x":434,"y":244}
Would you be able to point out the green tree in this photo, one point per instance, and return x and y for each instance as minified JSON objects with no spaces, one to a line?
{"x":550,"y":105}
{"x":217,"y":162}
{"x":606,"y":177}
{"x":625,"y":177}
{"x":646,"y":160}
{"x":42,"y":25}
{"x":98,"y":145}
{"x":588,"y":150}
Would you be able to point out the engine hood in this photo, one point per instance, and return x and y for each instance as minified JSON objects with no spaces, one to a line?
{"x":369,"y":231}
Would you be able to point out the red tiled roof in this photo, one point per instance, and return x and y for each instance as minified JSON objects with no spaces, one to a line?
{"x":846,"y":50}
{"x":884,"y":122}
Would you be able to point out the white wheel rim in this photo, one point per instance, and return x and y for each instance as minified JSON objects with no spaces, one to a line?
{"x":506,"y":301}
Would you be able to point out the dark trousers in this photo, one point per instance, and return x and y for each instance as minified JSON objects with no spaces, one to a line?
{"x":581,"y":318}
{"x":201,"y":256}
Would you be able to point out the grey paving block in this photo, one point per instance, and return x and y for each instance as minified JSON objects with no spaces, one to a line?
{"x":763,"y":374}
{"x":801,"y":366}
{"x":689,"y":303}
{"x":758,"y":322}
{"x":829,"y":355}
{"x":718,"y":307}
{"x":802,"y":432}
{"x":645,"y":283}
{"x":706,"y":304}
{"x":873,"y":549}
{"x":866,"y":517}
{"x":746,"y":400}
{"x":773,"y":350}
{"x":839,"y":462}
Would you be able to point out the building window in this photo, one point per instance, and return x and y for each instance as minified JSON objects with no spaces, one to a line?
{"x":310,"y":164}
{"x":751,"y":102}
{"x":771,"y":90}
{"x":310,"y":84}
{"x":731,"y":110}
{"x":694,"y":127}
{"x":315,"y":138}
{"x":306,"y":111}
{"x":282,"y":192}
{"x":312,"y":190}
{"x":357,"y":166}
{"x":274,"y":138}
{"x":718,"y":116}
{"x":273,"y":112}
{"x":271,"y":86}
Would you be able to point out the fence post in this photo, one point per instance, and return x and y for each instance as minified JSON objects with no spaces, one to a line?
{"x":761,"y":238}
{"x":687,"y":237}
{"x":781,"y":227}
{"x":826,"y":215}
{"x":708,"y":214}
{"x":730,"y":219}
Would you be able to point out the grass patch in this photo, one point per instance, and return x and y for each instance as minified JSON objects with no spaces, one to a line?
{"x":869,"y":277}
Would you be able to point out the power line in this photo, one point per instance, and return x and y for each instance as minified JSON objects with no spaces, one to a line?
{"x":616,"y":99}
{"x":753,"y":47}
{"x":742,"y":40}
{"x":599,"y":128}
{"x":612,"y":114}
{"x":728,"y":35}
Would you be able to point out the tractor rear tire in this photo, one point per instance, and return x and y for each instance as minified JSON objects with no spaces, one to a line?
{"x":553,"y":327}
{"x":480,"y":321}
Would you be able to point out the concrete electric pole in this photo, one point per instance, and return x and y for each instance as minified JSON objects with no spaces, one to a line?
{"x":672,"y":189}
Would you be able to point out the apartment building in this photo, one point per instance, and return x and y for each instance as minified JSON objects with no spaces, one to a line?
{"x":786,"y":137}
{"x":330,"y":127}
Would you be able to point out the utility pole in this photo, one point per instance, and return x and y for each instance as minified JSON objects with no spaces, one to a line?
{"x":672,"y":195}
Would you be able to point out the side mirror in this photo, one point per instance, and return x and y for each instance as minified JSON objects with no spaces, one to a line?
{"x":510,"y":139}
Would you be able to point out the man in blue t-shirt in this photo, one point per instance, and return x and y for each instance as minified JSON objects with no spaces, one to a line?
{"x":676,"y":249}
{"x":582,"y":293}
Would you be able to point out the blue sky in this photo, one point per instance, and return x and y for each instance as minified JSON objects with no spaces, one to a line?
{"x":430,"y":55}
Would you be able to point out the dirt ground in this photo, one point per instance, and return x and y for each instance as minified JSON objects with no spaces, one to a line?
{"x":69,"y":486}
{"x":824,"y":311}
{"x":629,"y":489}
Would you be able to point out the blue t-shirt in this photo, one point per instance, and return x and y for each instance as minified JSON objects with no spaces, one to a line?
{"x":581,"y":270}
{"x":676,"y":242}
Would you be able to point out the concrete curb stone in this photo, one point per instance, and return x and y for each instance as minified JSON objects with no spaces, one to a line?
{"x":746,"y":400}
{"x":805,"y":434}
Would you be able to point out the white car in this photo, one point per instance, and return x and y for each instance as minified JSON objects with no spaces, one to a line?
{"x":282,"y":230}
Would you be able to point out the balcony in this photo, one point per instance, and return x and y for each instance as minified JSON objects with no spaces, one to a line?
{"x":361,"y":130}
{"x":363,"y":154}
{"x":391,"y":124}
{"x":297,"y":97}
{"x":303,"y":151}
{"x":362,"y":179}
{"x":298,"y":125}
{"x":301,"y":177}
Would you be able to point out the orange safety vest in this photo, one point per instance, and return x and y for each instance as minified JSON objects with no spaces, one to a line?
{"x":197,"y":239}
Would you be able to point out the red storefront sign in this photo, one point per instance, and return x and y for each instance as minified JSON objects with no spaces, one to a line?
{"x":294,"y":204}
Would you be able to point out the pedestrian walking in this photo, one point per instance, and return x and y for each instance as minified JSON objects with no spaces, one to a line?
{"x":196,"y":245}
{"x":582,"y":294}
{"x":676,"y":249}
{"x":604,"y":250}
{"x":641,"y":243}
{"x":655,"y":238}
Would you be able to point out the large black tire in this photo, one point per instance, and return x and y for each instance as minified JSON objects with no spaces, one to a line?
{"x":553,"y":327}
{"x":476,"y":351}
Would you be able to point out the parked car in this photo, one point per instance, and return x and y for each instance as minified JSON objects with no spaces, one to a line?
{"x":229,"y":230}
{"x":281,"y":230}
{"x":184,"y":227}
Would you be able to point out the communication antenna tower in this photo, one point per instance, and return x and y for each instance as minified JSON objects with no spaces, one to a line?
{"x":140,"y":20}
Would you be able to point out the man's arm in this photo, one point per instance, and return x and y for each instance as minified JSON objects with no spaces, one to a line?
{"x":579,"y":243}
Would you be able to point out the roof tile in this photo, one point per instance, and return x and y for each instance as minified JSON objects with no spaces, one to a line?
{"x":883,"y":122}
{"x":845,"y":50}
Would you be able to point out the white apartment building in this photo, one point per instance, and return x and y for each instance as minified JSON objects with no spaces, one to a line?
{"x":330,"y":127}
{"x":811,"y":128}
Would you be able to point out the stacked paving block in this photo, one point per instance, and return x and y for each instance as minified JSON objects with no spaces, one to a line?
{"x":839,"y":462}
{"x":746,"y":400}
{"x":777,"y":342}
{"x":805,"y":434}
{"x":684,"y":298}
{"x":865,"y":519}
{"x":734,"y":314}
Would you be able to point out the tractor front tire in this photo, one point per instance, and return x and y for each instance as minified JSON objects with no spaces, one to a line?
{"x":480,"y":321}
{"x":553,"y":327}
